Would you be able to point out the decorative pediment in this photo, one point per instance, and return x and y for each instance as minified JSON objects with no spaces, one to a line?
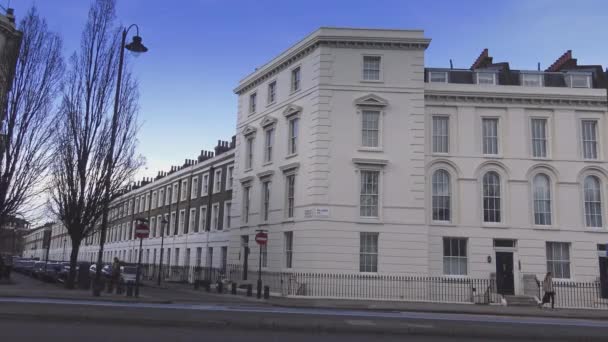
{"x":249,"y":130}
{"x":265,"y":174}
{"x":371,"y":100}
{"x":292,"y":110}
{"x":268,"y":121}
{"x":246,"y":180}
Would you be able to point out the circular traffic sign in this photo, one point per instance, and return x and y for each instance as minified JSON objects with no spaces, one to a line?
{"x":261,"y":238}
{"x":142,"y":231}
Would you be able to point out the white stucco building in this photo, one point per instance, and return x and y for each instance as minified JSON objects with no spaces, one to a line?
{"x":356,"y":158}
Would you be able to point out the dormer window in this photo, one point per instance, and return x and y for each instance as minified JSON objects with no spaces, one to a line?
{"x":532,"y":80}
{"x":578,"y":80}
{"x":438,"y":76}
{"x":485,"y":77}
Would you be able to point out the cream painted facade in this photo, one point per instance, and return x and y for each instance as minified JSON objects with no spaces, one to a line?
{"x":327,"y":224}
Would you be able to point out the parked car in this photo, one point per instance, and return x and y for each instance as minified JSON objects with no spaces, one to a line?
{"x":26,"y":266}
{"x":52,"y":271}
{"x":64,"y":272}
{"x":38,"y":269}
{"x":106,"y":271}
{"x":128,"y":274}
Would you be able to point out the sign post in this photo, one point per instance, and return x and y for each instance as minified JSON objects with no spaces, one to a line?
{"x":141,"y":231}
{"x":262,"y":239}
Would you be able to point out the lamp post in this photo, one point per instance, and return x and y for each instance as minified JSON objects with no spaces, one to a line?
{"x":164,"y":223}
{"x":63,"y":255}
{"x":137,"y":47}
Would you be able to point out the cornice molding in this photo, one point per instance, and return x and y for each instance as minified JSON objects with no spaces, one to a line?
{"x":332,"y":41}
{"x":516,"y":99}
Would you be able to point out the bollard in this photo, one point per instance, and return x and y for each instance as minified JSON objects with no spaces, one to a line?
{"x":220,"y":287}
{"x":266,"y":292}
{"x":249,"y":290}
{"x":233,"y":288}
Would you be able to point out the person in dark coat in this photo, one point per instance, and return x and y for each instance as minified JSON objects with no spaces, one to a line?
{"x":549,"y":291}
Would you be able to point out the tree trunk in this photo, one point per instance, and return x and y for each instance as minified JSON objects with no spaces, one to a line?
{"x":73,"y":264}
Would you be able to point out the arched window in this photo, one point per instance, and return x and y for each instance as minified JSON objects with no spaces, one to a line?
{"x":593,"y":202}
{"x":491,"y":197}
{"x":542,"y":199}
{"x":441,"y":196}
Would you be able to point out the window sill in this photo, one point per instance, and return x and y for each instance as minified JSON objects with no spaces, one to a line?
{"x":370,"y":149}
{"x":541,"y":227}
{"x":265,"y":164}
{"x":291,"y":156}
{"x":541,"y":158}
{"x":248,"y":169}
{"x":289,"y":220}
{"x":369,"y":220}
{"x":271,"y":103}
{"x":492,"y":156}
{"x":600,"y":230}
{"x":496,"y":225}
{"x":442,"y":224}
{"x":371,"y":81}
{"x":293,"y":91}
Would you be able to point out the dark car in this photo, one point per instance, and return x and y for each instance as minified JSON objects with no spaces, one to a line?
{"x":38,"y":269}
{"x":64,"y":272}
{"x":52,"y":271}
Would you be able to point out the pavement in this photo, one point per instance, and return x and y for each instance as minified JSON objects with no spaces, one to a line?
{"x":183,"y":307}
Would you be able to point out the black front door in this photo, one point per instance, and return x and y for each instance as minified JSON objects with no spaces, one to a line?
{"x":604,"y":276}
{"x":504,"y":273}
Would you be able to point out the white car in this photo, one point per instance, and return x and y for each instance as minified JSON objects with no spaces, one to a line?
{"x":128,"y":274}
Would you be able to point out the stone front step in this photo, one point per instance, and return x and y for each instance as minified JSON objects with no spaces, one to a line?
{"x":521,"y":301}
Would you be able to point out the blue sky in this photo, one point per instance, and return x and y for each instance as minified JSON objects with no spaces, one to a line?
{"x":199,"y":49}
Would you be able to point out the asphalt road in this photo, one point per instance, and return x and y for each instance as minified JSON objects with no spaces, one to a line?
{"x":26,"y":331}
{"x":69,"y":320}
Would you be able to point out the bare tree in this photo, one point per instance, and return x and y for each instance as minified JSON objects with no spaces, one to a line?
{"x":29,"y":120}
{"x":79,"y":167}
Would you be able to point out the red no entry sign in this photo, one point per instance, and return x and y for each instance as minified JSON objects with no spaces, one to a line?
{"x":261,"y":238}
{"x":142,"y":231}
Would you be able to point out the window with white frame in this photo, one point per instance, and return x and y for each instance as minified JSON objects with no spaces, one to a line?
{"x":438,"y":77}
{"x":172,"y":223}
{"x":370,"y":128}
{"x":215,"y":216}
{"x":191,"y":220}
{"x":194,"y":187}
{"x":371,"y":68}
{"x":558,"y":259}
{"x":272,"y":92}
{"x":488,"y":78}
{"x":292,"y":147}
{"x":578,"y":80}
{"x":593,"y":202}
{"x":227,"y":208}
{"x":130,"y":208}
{"x":199,"y":256}
{"x":490,"y":135}
{"x":295,"y":79}
{"x":230,"y":178}
{"x":153,"y":226}
{"x":441,"y":196}
{"x":217,"y":181}
{"x":154,"y":199}
{"x":268,"y":144}
{"x":369,"y":193}
{"x":187,"y":258}
{"x":159,"y":225}
{"x":252,"y":102}
{"x":491,"y":197}
{"x":142,"y":204}
{"x":161,"y":197}
{"x":454,"y":256}
{"x":209,"y":260}
{"x":175,"y":192}
{"x":265,"y":199}
{"x":184,"y":189}
{"x":168,"y":195}
{"x":136,"y":208}
{"x":147,"y":206}
{"x":202,"y":219}
{"x":589,"y":135}
{"x":539,"y":137}
{"x":246,"y":202}
{"x":441,"y":142}
{"x":531,"y":80}
{"x":182,"y":220}
{"x":288,"y":237}
{"x":224,"y":258}
{"x":264,"y":251}
{"x":290,"y":187}
{"x":177,"y":260}
{"x":542,"y":199}
{"x":368,"y":252}
{"x":205,"y":184}
{"x":249,"y":152}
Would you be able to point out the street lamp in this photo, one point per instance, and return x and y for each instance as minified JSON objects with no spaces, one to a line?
{"x":137,"y":47}
{"x":164,"y":223}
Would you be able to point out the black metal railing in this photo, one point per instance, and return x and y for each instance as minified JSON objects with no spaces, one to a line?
{"x":182,"y":274}
{"x":571,"y":294}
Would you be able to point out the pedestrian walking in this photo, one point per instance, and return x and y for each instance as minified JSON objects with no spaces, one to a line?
{"x":548,"y":290}
{"x":115,"y":277}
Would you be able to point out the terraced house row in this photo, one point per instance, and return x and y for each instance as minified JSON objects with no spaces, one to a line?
{"x":357,"y":158}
